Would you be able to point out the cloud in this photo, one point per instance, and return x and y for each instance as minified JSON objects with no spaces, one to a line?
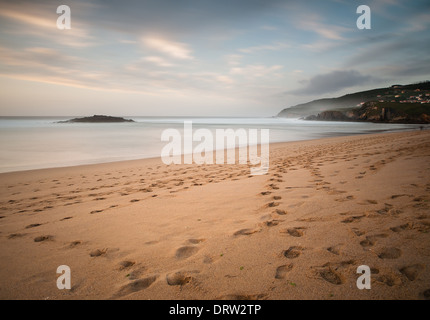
{"x":180,"y":17}
{"x":332,"y":82}
{"x":27,"y":18}
{"x":255,"y":71}
{"x":47,"y":65}
{"x":412,"y":68}
{"x":159,"y":61}
{"x":398,"y":49}
{"x":313,"y":22}
{"x":224,"y":79}
{"x":271,"y":47}
{"x":40,"y":21}
{"x":233,"y":59}
{"x":420,"y":22}
{"x":173,"y":49}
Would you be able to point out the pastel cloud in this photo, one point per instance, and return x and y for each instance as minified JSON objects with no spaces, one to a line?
{"x":173,"y":49}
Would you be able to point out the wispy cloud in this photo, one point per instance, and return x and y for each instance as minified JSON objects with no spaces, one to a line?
{"x":40,"y":22}
{"x":420,"y":22}
{"x":28,"y":18}
{"x":173,"y":49}
{"x":47,"y":65}
{"x":233,"y":59}
{"x":159,"y":61}
{"x":268,"y":47}
{"x":255,"y":71}
{"x":313,"y":22}
{"x":333,"y":82}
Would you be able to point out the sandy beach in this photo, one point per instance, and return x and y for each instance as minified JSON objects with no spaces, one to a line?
{"x":143,"y":230}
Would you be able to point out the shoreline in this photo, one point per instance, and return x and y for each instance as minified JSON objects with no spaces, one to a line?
{"x":140,"y":229}
{"x":274,"y":144}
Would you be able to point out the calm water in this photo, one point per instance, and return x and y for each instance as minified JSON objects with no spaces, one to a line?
{"x":34,"y":142}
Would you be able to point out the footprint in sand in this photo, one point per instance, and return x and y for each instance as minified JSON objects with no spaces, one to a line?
{"x":352,"y":219}
{"x":412,"y":272}
{"x":426,"y":294}
{"x":282,"y":271}
{"x":16,"y":235}
{"x":390,"y":279}
{"x":135,"y":286}
{"x":98,"y":253}
{"x":33,"y":225}
{"x":294,"y":232}
{"x":73,"y":244}
{"x":370,"y":240}
{"x":293,"y":252}
{"x":367,"y":243}
{"x":126,"y":264}
{"x":196,"y":241}
{"x":245,"y":232}
{"x":271,"y":223}
{"x":43,"y":238}
{"x":179,"y":278}
{"x":272,"y":204}
{"x":330,"y":275}
{"x":395,"y":196}
{"x":334,"y":249}
{"x":357,"y":232}
{"x":280,"y":212}
{"x":390,"y":253}
{"x":185,"y":252}
{"x":136,"y":273}
{"x":406,"y":226}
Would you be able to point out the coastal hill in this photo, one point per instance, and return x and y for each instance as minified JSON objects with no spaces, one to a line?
{"x":396,"y":104}
{"x":387,"y":112}
{"x":97,"y":119}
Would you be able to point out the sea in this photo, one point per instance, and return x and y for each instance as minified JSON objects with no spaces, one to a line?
{"x":28,"y":143}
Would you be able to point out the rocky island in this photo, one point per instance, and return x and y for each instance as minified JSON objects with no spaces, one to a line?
{"x":97,"y":119}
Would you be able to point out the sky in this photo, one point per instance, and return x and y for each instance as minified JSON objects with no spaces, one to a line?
{"x":203,"y":57}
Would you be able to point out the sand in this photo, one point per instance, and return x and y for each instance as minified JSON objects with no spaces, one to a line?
{"x":144,"y":230}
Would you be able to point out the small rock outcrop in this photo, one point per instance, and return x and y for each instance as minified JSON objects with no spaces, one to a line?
{"x":97,"y":119}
